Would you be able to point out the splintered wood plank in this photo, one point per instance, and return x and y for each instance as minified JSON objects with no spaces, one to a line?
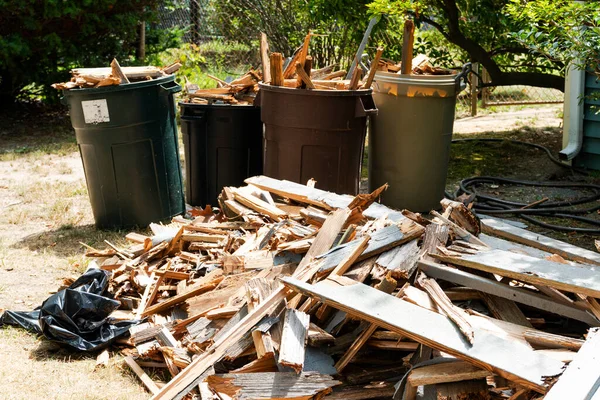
{"x":498,"y":289}
{"x":271,"y":385}
{"x":317,"y":336}
{"x":352,"y":256}
{"x":293,"y":339}
{"x":380,"y":241}
{"x":130,"y":72}
{"x":206,"y":283}
{"x":257,"y":290}
{"x":265,"y":364}
{"x":455,"y":371}
{"x":435,"y":235}
{"x":146,"y":380}
{"x":509,"y":359}
{"x":401,"y":261}
{"x":494,"y":226}
{"x":190,"y":376}
{"x":258,"y":205}
{"x":381,"y":390}
{"x":505,"y":309}
{"x":456,"y":314}
{"x":584,"y":279}
{"x":320,"y":198}
{"x":581,"y":379}
{"x":552,"y":341}
{"x":264,"y":58}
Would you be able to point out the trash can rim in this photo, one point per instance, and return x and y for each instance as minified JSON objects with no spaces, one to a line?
{"x":116,"y":88}
{"x":416,"y":79}
{"x":315,"y":92}
{"x":197,"y":105}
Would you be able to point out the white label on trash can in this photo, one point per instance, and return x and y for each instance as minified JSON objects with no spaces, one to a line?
{"x":95,"y":111}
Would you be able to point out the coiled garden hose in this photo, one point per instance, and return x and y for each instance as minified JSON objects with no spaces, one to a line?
{"x":487,"y":204}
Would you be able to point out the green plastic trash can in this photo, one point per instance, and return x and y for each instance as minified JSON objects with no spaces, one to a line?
{"x":127,"y":138}
{"x":409,"y":140}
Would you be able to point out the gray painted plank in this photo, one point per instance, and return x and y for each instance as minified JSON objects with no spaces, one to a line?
{"x":584,"y":279}
{"x":508,"y":292}
{"x":513,"y":360}
{"x":581,"y":379}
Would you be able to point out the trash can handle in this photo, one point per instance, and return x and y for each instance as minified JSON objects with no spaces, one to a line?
{"x":171,"y":87}
{"x":462,"y":75}
{"x":365,"y":106}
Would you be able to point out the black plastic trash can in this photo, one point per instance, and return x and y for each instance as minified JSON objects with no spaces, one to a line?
{"x":222,"y":145}
{"x":127,"y":137}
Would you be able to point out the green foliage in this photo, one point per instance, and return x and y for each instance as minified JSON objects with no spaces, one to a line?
{"x":486,"y":23}
{"x":215,"y":57}
{"x":563,"y":30}
{"x":41,"y":40}
{"x":338,"y":25}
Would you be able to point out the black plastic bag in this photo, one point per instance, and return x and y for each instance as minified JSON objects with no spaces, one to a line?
{"x":77,"y":316}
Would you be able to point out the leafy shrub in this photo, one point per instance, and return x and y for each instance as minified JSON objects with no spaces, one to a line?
{"x":41,"y":40}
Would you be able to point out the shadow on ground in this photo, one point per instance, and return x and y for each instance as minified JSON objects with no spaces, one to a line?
{"x":66,"y":240}
{"x":48,"y":350}
{"x":26,"y":131}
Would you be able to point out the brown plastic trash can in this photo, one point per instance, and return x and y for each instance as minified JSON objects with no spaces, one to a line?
{"x":409,"y":140}
{"x":316,"y":134}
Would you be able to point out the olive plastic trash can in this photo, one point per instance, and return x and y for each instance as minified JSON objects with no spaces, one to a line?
{"x":409,"y":140}
{"x":223,"y":146}
{"x":316,"y":134}
{"x":127,"y":138}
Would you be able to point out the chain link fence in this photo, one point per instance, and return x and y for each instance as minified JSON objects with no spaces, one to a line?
{"x":227,"y":39}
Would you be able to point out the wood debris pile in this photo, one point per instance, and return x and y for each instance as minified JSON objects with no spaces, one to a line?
{"x":114,"y":75}
{"x":298,"y":72}
{"x":421,"y":65}
{"x":241,"y":91}
{"x":290,"y":292}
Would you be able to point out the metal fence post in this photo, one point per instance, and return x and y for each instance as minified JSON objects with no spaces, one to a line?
{"x":474,"y":83}
{"x":195,"y":21}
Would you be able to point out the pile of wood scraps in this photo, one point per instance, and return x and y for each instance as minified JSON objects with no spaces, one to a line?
{"x":114,"y":75}
{"x":240,"y":91}
{"x":421,"y":65}
{"x":290,"y":292}
{"x":299,"y":73}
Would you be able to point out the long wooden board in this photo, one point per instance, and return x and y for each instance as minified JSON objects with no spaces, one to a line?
{"x":584,"y":279}
{"x":581,"y":379}
{"x":508,"y":292}
{"x":511,"y":360}
{"x":494,"y":226}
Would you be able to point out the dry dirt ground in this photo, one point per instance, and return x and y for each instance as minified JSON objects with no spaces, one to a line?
{"x":45,"y":213}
